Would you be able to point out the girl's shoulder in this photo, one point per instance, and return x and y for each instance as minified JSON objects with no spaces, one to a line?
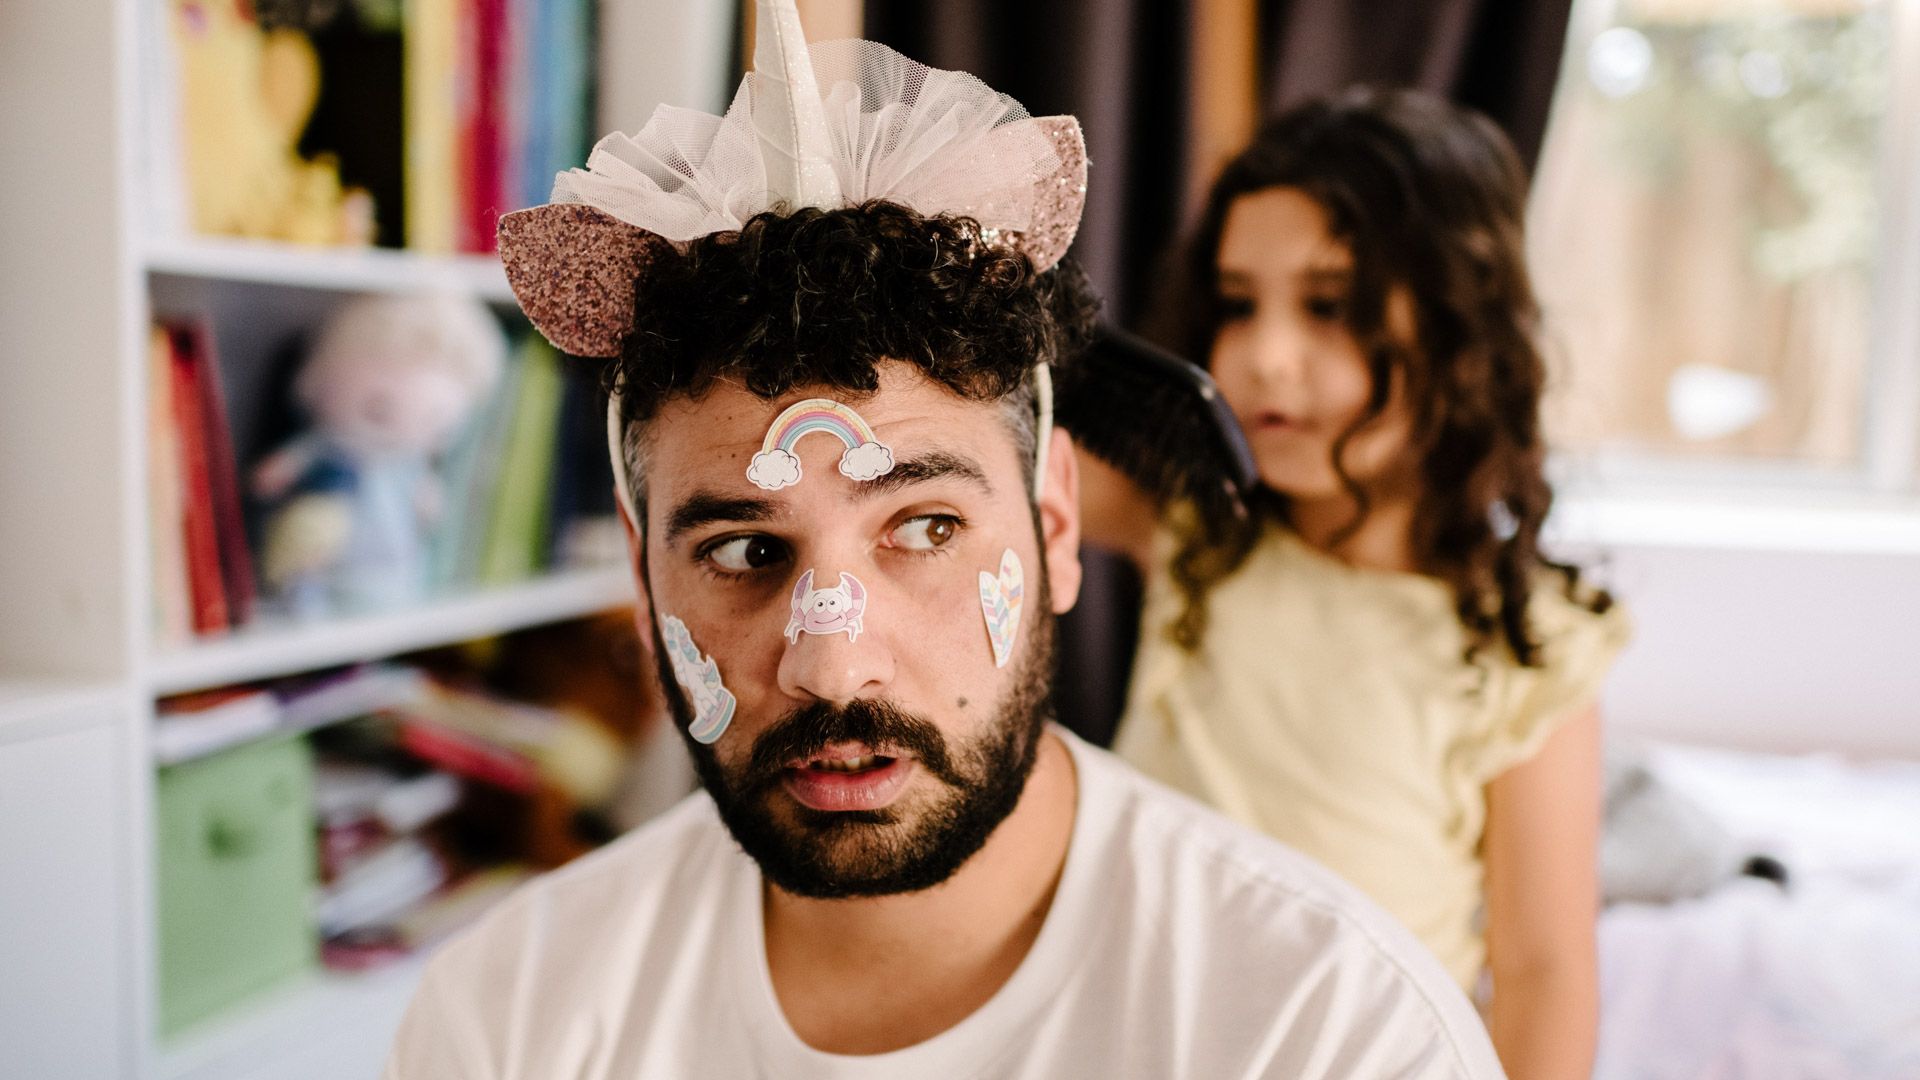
{"x":1575,"y":620}
{"x":1580,"y":637}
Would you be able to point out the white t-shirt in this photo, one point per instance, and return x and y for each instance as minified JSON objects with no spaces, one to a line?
{"x":1178,"y":944}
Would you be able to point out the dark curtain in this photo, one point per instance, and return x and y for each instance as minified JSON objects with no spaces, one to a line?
{"x":1122,"y":67}
{"x":1118,"y":65}
{"x":1501,"y":57}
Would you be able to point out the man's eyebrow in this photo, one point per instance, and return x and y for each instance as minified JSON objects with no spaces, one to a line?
{"x":706,"y":507}
{"x":923,"y":468}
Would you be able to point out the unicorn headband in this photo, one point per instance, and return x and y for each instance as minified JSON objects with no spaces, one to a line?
{"x":832,"y":125}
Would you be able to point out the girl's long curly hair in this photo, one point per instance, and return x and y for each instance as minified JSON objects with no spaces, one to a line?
{"x":1430,"y":198}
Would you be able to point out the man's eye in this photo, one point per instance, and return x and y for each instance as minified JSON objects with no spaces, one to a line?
{"x":744,"y":553}
{"x":926,"y":532}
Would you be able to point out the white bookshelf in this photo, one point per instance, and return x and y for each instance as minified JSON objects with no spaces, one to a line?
{"x":323,"y":1026}
{"x":267,"y":649}
{"x":333,"y":269}
{"x":87,"y":263}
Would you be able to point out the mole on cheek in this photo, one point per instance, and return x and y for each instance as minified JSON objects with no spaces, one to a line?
{"x":963,"y":703}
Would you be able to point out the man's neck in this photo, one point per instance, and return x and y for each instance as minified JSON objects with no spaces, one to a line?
{"x":871,"y":975}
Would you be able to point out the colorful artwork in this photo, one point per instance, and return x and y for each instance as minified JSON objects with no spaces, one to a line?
{"x":827,"y":611}
{"x":1001,"y":600}
{"x":699,"y":679}
{"x":776,"y":466}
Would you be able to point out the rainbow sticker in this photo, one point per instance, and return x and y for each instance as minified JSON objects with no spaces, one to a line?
{"x":776,"y":466}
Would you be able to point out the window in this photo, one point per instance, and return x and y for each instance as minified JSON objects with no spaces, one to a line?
{"x":1724,"y":231}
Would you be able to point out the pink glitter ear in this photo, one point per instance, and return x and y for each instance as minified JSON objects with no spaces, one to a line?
{"x":573,"y":269}
{"x":1058,"y":198}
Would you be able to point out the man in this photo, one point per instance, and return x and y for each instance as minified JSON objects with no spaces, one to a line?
{"x":853,"y":527}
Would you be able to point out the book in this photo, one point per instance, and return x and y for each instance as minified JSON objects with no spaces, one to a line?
{"x":472,"y":475}
{"x":197,"y":725}
{"x":460,"y":904}
{"x":380,"y":887}
{"x":563,"y":92}
{"x":582,"y":483}
{"x":230,"y":530}
{"x":431,"y":78}
{"x":346,"y":695}
{"x":166,"y":524}
{"x":516,"y":532}
{"x":202,"y":541}
{"x":482,"y":143}
{"x":467,"y":755}
{"x":417,"y":801}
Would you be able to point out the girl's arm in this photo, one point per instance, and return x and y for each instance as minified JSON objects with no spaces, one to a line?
{"x":1115,"y":513}
{"x":1543,"y":830}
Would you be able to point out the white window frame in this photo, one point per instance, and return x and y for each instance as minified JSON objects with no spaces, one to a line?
{"x":1620,"y":497}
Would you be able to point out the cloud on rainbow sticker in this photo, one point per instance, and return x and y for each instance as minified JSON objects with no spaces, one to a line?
{"x":776,"y":466}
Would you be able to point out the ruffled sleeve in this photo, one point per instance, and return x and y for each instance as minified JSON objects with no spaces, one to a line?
{"x":1578,"y":649}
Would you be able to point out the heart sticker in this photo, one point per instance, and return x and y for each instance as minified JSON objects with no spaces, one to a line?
{"x":1001,"y":599}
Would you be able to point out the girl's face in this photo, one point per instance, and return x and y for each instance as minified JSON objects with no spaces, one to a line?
{"x":1286,"y":361}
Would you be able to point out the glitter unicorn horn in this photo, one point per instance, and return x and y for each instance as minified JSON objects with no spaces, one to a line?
{"x":788,"y":116}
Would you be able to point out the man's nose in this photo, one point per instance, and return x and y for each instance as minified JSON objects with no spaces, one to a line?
{"x":833,"y":668}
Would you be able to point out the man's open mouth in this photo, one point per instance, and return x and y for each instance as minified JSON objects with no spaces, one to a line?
{"x":850,"y":765}
{"x":847,"y":778}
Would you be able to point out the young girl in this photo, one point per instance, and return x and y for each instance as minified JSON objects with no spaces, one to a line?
{"x":1380,"y":668}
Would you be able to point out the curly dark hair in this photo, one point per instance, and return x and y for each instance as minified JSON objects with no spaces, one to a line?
{"x":820,"y":297}
{"x":1430,"y":199}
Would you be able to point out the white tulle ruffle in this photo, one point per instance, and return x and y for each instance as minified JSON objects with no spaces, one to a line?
{"x":935,"y":141}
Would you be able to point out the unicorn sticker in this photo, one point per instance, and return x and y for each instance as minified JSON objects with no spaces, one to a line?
{"x":777,"y":466}
{"x":699,"y":679}
{"x":827,"y":611}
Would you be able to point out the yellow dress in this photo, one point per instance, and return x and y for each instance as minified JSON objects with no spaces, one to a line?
{"x":1330,"y":707}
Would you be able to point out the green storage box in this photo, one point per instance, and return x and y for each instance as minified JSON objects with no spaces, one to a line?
{"x":235,"y":876}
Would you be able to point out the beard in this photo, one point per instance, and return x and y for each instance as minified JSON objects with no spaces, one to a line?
{"x":925,"y":836}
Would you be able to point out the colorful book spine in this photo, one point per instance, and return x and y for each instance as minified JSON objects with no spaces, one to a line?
{"x":562,"y":98}
{"x":483,"y":128}
{"x":432,"y":81}
{"x":201,"y":530}
{"x":166,"y":502}
{"x":516,"y":535}
{"x":523,"y":87}
{"x":473,"y":475}
{"x":468,"y":756}
{"x":236,"y":559}
{"x":499,"y":98}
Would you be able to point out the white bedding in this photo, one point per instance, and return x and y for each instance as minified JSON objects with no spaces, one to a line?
{"x":1750,"y":982}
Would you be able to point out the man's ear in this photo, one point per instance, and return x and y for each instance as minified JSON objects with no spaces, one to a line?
{"x":1060,"y":522}
{"x":642,"y":594}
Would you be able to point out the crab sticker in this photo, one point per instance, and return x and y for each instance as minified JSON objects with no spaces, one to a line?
{"x":827,"y":611}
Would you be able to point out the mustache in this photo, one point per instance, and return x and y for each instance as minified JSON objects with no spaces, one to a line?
{"x":807,"y":730}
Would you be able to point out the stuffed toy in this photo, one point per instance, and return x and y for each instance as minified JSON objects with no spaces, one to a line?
{"x":595,"y":673}
{"x":1660,"y":846}
{"x":246,"y":95}
{"x":388,"y":384}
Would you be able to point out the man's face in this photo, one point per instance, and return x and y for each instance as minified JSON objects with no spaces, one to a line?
{"x":874,"y":761}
